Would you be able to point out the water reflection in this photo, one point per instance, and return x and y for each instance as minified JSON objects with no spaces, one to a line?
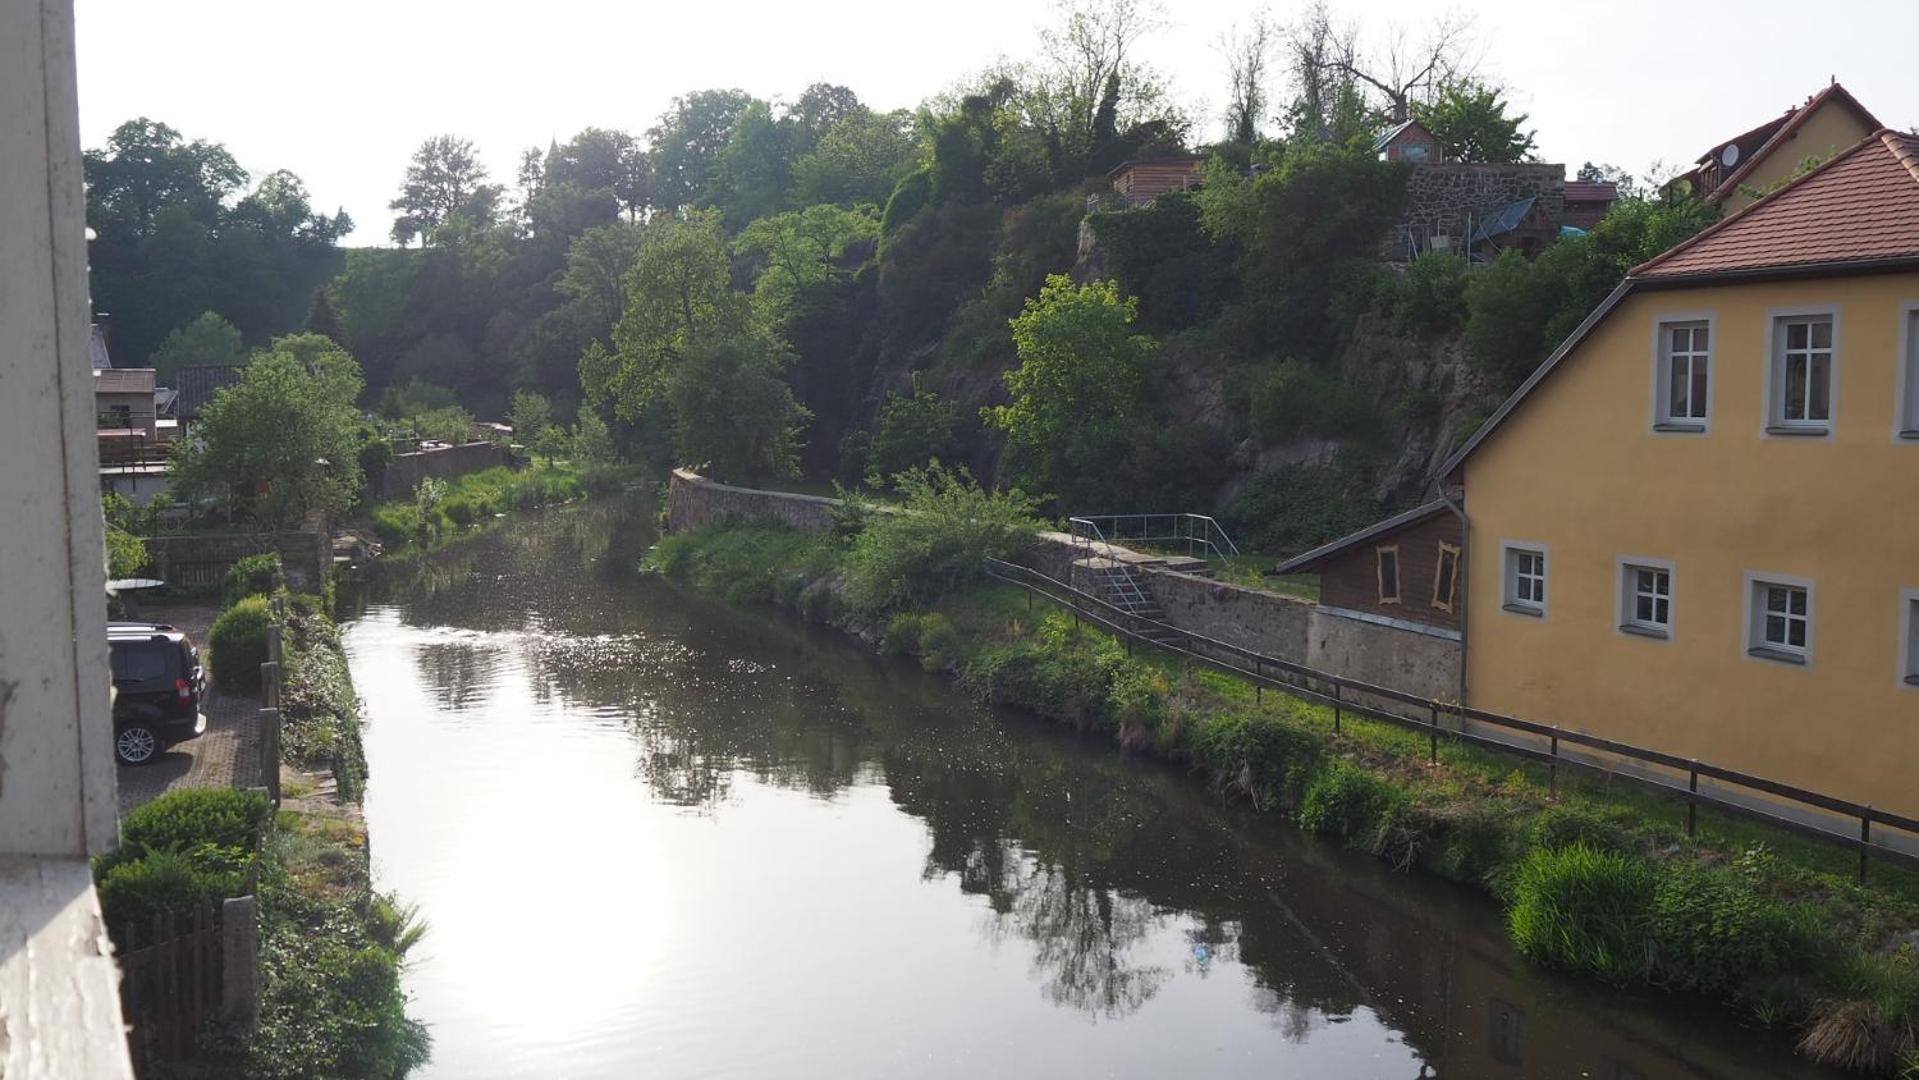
{"x":867,"y":872}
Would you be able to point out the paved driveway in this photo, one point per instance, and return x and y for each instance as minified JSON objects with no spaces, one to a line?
{"x":227,"y":755}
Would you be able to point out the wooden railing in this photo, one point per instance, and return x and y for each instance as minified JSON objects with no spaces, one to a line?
{"x":1397,"y":707}
{"x":170,"y":984}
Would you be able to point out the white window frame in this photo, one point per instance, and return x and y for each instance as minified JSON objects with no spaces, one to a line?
{"x":1908,"y":669}
{"x":1755,"y":644}
{"x":1775,"y":367}
{"x":1905,"y":419}
{"x":1662,"y":419}
{"x":1509,"y":552}
{"x":1629,"y":567}
{"x":1452,"y":595}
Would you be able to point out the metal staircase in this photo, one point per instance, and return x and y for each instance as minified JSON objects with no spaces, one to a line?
{"x":1115,"y":582}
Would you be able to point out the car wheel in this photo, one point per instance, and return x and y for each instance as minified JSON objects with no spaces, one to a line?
{"x":136,"y":744}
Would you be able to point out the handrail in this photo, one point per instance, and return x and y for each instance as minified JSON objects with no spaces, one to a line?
{"x":1341,"y":697}
{"x":1184,"y":528}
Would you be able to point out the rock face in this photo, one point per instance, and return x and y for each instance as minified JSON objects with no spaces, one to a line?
{"x":1431,"y":372}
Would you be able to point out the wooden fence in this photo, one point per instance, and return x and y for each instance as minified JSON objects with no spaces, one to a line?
{"x":171,"y":982}
{"x":1428,"y":715}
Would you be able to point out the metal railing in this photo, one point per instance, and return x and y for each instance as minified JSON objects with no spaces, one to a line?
{"x":1195,"y":534}
{"x":1359,"y":698}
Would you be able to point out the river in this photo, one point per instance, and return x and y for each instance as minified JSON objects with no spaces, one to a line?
{"x":654,"y":836}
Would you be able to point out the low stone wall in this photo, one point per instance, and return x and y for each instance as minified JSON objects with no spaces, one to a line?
{"x":199,"y":561}
{"x":404,"y":473}
{"x":1283,"y":627}
{"x":692,"y":501}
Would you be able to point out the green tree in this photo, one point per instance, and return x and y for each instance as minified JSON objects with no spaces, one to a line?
{"x":1082,"y":386}
{"x":911,"y":431}
{"x":322,"y":319}
{"x":126,"y":552}
{"x":444,"y":179}
{"x":284,"y":439}
{"x":208,"y":339}
{"x":530,"y":415}
{"x":732,"y":413}
{"x":801,"y":250}
{"x":1472,"y":124}
{"x":859,"y":158}
{"x":688,"y":142}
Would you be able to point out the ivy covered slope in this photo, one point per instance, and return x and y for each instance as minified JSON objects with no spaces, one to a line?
{"x":1594,"y":880}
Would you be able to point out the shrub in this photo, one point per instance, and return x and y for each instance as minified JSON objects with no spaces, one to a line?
{"x":902,"y":634}
{"x":910,"y":431}
{"x":133,"y":891}
{"x":1713,"y":929}
{"x":1349,"y":802}
{"x":1270,"y":760}
{"x":182,"y":820}
{"x":238,"y":642}
{"x":950,"y":528}
{"x":1585,"y":910}
{"x":250,"y":576}
{"x":1060,"y":684}
{"x":1295,"y":400}
{"x":1299,"y":507}
{"x":938,"y":643}
{"x":1431,"y":297}
{"x":1566,"y":825}
{"x":402,"y":523}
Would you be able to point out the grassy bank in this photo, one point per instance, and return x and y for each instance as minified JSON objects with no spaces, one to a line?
{"x":444,"y":509}
{"x":1596,"y":880}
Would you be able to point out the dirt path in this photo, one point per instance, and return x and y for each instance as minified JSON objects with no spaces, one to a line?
{"x":227,"y":755}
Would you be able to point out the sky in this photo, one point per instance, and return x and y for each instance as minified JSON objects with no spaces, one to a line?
{"x":341,"y":93}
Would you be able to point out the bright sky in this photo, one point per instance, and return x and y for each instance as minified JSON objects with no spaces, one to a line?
{"x":341,"y":92}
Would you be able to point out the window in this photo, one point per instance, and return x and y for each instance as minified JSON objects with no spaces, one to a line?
{"x":1802,"y":358}
{"x":1446,"y":577}
{"x":1414,"y":152}
{"x":1387,"y":569}
{"x":1781,"y":619}
{"x":1645,"y":598}
{"x":1526,"y":580}
{"x":1909,"y":637}
{"x":1909,"y":411}
{"x":1685,"y":370}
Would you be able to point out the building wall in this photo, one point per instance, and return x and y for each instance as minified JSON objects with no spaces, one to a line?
{"x":1578,"y":469}
{"x":139,"y":408}
{"x":1831,"y":129}
{"x":1351,"y":580}
{"x":1451,"y":199}
{"x":1142,"y":183}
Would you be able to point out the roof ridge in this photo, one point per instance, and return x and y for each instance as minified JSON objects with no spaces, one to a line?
{"x":1754,"y":206}
{"x":1904,"y":147}
{"x":1796,"y":117}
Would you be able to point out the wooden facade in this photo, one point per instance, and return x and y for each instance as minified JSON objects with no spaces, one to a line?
{"x":1140,"y":182}
{"x":1410,"y":568}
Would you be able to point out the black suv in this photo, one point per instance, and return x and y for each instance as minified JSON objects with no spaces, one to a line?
{"x":159,"y":686}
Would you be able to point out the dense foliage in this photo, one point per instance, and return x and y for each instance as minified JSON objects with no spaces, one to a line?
{"x":238,"y":645}
{"x":186,"y":849}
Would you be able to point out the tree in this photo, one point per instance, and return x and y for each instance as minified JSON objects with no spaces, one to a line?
{"x":445,"y":178}
{"x":1470,"y":120}
{"x":322,"y":319}
{"x":859,"y":159}
{"x":208,"y":339}
{"x":1082,"y":386}
{"x":126,"y":552}
{"x":148,"y":167}
{"x":1328,"y":105}
{"x":1088,"y":85}
{"x":800,"y":250}
{"x":732,"y":413}
{"x":1248,"y":50}
{"x":688,"y":141}
{"x":284,"y":439}
{"x":755,"y":170}
{"x":530,"y":415}
{"x":1406,"y":70}
{"x":911,"y":431}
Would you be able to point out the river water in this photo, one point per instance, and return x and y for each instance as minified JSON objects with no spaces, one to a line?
{"x":657,"y":837}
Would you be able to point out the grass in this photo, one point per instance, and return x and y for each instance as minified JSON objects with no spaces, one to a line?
{"x":444,"y":510}
{"x":1595,"y":877}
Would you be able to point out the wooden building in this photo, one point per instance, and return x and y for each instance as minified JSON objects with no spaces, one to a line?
{"x":1141,"y":181}
{"x":1755,"y":160}
{"x":1406,"y":571}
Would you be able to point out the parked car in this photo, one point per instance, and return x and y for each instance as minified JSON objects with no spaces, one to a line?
{"x":159,"y":686}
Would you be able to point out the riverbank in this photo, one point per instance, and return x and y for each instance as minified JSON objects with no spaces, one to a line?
{"x":1595,"y":880}
{"x":441,"y":511}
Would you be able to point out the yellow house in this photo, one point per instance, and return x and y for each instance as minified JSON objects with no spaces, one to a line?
{"x":1756,"y":160}
{"x":1696,"y":527}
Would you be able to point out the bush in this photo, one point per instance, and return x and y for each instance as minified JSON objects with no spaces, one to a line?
{"x":1584,"y":910}
{"x":1349,"y":802}
{"x":251,"y":576}
{"x":1060,"y":684}
{"x":1270,"y":760}
{"x":950,"y":528}
{"x":1298,"y":507}
{"x":238,"y":642}
{"x":1713,"y":929}
{"x":911,"y":431}
{"x":1295,"y":400}
{"x":1431,"y":297}
{"x":183,"y":820}
{"x":133,"y":891}
{"x":1563,"y":826}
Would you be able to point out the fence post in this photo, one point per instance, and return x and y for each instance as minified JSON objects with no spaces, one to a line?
{"x":1259,"y":688}
{"x":1692,"y":799}
{"x":270,"y":752}
{"x":239,"y":958}
{"x":1552,"y":767}
{"x":1338,"y":705}
{"x":1432,"y":726}
{"x":1865,"y":837}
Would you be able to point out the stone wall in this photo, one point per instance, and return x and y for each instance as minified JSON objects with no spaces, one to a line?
{"x":199,"y":561}
{"x":405,"y":471}
{"x":1283,"y":627}
{"x":1452,"y":199}
{"x":692,"y":501}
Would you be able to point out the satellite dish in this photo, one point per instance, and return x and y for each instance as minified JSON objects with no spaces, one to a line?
{"x":1729,"y":156}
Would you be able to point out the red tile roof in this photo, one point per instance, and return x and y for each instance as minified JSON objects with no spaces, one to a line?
{"x":1862,"y":206}
{"x":1591,"y":191}
{"x":1833,"y":92}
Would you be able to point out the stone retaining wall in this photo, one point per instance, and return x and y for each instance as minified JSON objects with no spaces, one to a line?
{"x":404,"y":473}
{"x":1283,"y":627}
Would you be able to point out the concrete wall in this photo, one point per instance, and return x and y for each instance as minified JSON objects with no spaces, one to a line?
{"x":1283,"y":627}
{"x":203,"y":560}
{"x":405,"y":471}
